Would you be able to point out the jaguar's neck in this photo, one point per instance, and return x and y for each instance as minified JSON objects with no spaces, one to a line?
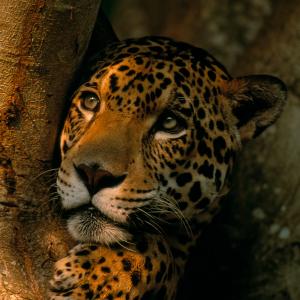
{"x":183,"y":239}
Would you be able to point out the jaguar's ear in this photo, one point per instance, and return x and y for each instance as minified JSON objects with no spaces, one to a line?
{"x":255,"y":102}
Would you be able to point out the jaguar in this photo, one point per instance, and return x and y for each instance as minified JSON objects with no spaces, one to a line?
{"x":147,"y":150}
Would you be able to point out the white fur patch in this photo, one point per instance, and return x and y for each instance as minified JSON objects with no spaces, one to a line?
{"x":161,"y":135}
{"x":85,"y":228}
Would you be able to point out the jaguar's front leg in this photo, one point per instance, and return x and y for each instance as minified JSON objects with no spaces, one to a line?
{"x":92,"y":271}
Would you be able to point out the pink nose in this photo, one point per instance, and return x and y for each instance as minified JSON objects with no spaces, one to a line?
{"x":96,"y":179}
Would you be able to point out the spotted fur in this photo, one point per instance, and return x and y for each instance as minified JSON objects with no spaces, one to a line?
{"x":147,"y":149}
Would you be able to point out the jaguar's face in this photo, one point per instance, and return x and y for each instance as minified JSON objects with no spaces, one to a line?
{"x":146,"y":141}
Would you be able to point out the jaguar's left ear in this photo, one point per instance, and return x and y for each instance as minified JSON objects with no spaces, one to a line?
{"x":255,"y":102}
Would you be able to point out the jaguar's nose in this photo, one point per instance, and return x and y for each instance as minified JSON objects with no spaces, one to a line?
{"x":96,"y":179}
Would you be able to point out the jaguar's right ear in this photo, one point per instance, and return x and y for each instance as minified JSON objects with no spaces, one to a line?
{"x":255,"y":102}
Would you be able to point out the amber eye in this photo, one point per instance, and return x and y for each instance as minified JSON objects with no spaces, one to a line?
{"x":89,"y":101}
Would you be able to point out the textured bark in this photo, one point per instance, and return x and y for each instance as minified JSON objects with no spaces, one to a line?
{"x":42,"y":44}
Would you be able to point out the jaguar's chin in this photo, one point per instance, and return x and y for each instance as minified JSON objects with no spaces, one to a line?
{"x":88,"y":224}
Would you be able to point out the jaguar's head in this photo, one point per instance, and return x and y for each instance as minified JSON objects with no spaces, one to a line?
{"x":152,"y":134}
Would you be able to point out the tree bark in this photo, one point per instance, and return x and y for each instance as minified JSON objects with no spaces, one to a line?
{"x":42,"y":45}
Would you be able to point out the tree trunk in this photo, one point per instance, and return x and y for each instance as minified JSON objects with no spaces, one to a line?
{"x":42,"y":45}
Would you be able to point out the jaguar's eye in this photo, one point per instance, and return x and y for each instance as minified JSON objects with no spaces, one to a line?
{"x":89,"y":101}
{"x":170,"y":123}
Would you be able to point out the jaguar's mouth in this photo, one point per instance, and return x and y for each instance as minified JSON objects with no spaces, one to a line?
{"x":90,"y":209}
{"x":86,"y":223}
